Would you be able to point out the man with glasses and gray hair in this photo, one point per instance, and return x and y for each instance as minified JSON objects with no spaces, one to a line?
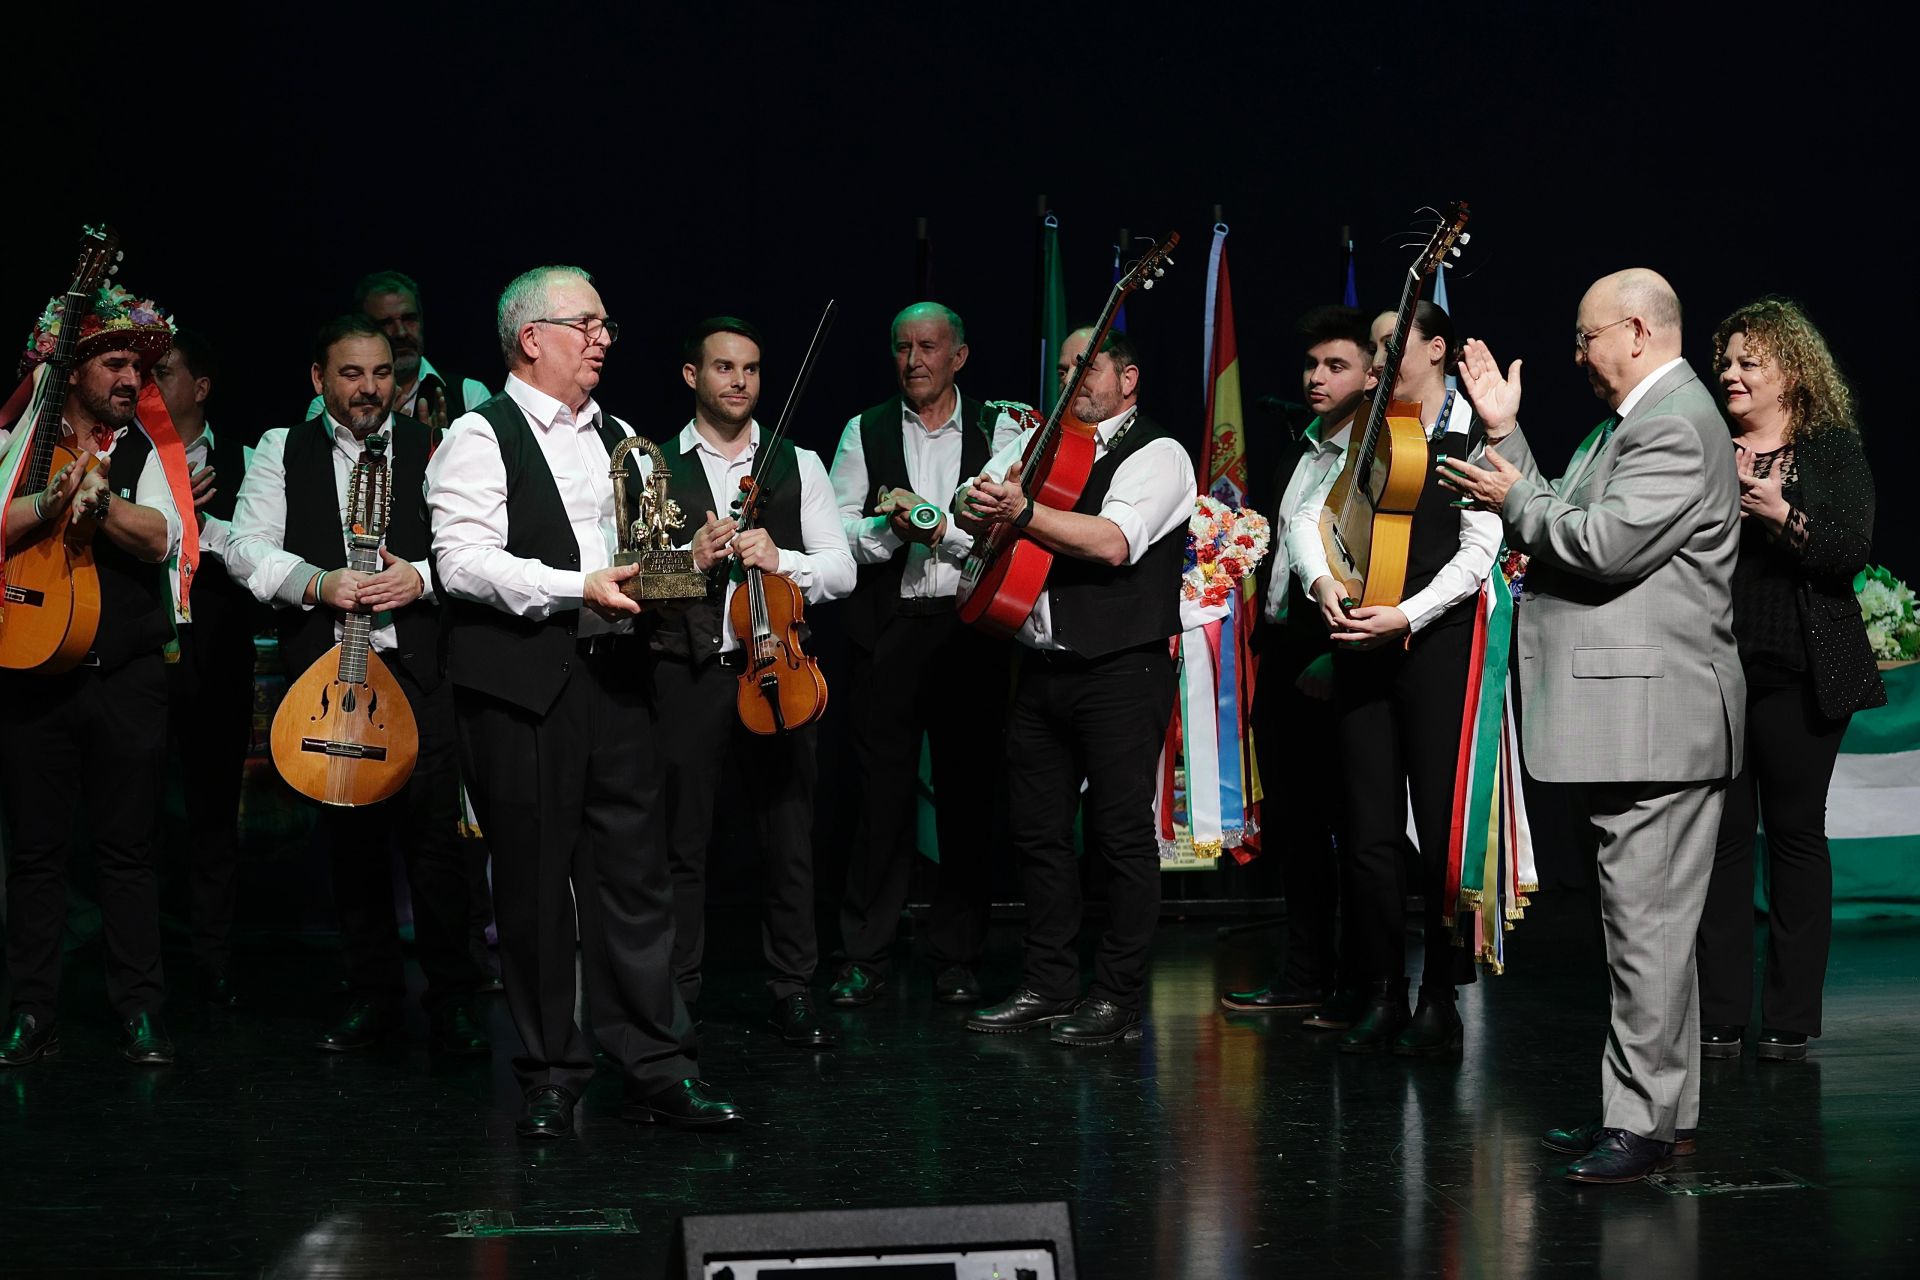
{"x":1631,"y":688}
{"x":551,"y":684}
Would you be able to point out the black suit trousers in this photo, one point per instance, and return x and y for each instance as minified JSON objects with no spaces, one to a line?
{"x":422,"y":820}
{"x":936,"y":677}
{"x":84,"y":749}
{"x":1397,"y":726}
{"x":1103,"y":721}
{"x":695,"y":710}
{"x":566,"y":799}
{"x":210,"y":700}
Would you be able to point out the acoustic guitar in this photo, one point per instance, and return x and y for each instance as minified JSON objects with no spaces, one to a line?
{"x":51,"y":609}
{"x":1006,"y":571}
{"x":1366,"y":525}
{"x":345,"y":733}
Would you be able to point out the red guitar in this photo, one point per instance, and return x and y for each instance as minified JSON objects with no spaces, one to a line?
{"x":1006,"y":571}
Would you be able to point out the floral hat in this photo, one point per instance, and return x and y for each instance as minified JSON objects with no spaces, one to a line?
{"x":117,"y":320}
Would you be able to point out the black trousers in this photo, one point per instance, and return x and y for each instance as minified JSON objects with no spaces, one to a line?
{"x":86,"y":742}
{"x":1303,"y":815}
{"x":1103,"y":721}
{"x":567,"y":800}
{"x":932,"y":676}
{"x":1397,"y":728}
{"x":1790,"y":754}
{"x":421,"y":819}
{"x":694,"y":711}
{"x":210,"y":717}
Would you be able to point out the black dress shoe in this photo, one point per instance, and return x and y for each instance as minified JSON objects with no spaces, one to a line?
{"x":28,"y":1039}
{"x":457,"y":1033}
{"x":684,"y":1106}
{"x":956,"y":985}
{"x":1781,"y":1046}
{"x":1383,"y":1018}
{"x":1277,"y":998}
{"x":548,"y":1114}
{"x":1021,"y":1011}
{"x":1097,"y":1022}
{"x":1721,"y":1041}
{"x":365,"y":1023}
{"x":795,"y":1018}
{"x":1433,"y":1032}
{"x":144,"y":1041}
{"x":856,"y":985}
{"x":218,"y":991}
{"x":1619,"y":1156}
{"x":1340,"y":1011}
{"x":1579,"y":1141}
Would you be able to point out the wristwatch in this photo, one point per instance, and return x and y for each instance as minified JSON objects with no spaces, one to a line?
{"x":1025,"y":517}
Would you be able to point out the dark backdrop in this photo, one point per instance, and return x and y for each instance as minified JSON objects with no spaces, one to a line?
{"x":761,"y":160}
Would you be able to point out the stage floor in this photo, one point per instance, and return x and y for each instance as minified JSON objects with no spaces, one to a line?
{"x":1214,"y":1146}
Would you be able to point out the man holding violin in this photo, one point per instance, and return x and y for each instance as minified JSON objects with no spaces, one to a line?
{"x":700,"y":661}
{"x":1095,"y":692}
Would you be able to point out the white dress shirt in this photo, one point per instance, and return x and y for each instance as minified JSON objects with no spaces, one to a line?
{"x":822,"y":567}
{"x":933,"y":472}
{"x":256,"y":553}
{"x":472,"y":394}
{"x":1454,"y":581}
{"x":467,"y":502}
{"x":215,"y":533}
{"x":1151,"y":496}
{"x":1322,"y":458}
{"x":1645,"y":384}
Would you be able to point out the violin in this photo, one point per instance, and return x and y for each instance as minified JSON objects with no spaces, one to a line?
{"x":781,"y":687}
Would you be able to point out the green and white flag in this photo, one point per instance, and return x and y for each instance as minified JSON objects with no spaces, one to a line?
{"x":1873,"y":806}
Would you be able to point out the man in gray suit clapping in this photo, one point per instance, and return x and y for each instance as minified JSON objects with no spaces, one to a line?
{"x":1630,"y":685}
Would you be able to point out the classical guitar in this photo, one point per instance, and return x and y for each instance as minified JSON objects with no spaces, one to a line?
{"x":345,"y":733}
{"x":1367,"y":522}
{"x":1006,"y":571}
{"x":52,"y":602}
{"x":781,"y":687}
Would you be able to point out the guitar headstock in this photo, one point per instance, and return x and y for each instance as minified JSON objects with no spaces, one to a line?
{"x":99,"y":258}
{"x":1447,"y":239}
{"x":1152,"y":265}
{"x":370,"y":498}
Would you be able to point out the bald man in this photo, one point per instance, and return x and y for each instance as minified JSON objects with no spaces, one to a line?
{"x":1631,"y":686}
{"x":916,"y":670}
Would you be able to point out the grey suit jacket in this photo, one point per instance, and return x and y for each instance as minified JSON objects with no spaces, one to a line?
{"x":1627,"y":663}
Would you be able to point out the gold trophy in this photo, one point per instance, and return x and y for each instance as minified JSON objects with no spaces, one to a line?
{"x":665,"y":574}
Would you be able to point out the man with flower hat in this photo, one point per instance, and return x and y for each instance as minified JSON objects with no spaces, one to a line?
{"x":92,"y":737}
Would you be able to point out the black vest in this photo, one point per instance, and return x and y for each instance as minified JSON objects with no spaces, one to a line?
{"x":136,"y":601}
{"x":694,"y":631}
{"x":315,"y":534}
{"x":1098,"y":608}
{"x":876,"y":592}
{"x":524,"y":661}
{"x":1435,"y":536}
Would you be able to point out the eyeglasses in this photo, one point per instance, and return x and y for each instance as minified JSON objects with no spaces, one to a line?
{"x":1582,"y":340}
{"x":592,"y":328}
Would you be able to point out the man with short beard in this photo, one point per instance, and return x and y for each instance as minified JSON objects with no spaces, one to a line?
{"x":700,"y":664}
{"x":289,"y":546}
{"x":89,"y":742}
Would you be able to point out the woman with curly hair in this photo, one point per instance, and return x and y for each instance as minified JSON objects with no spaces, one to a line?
{"x":1806,"y":506}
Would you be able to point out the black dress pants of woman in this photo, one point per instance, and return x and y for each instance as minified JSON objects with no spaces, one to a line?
{"x":1791,"y":749}
{"x":1398,"y":733}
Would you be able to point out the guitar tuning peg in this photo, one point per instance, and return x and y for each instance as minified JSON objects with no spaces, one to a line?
{"x":1466,"y":236}
{"x":119,"y":255}
{"x":1455,"y":251}
{"x":1146,"y":284}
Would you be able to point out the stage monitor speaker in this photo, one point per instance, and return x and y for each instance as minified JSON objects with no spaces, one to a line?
{"x":944,"y":1242}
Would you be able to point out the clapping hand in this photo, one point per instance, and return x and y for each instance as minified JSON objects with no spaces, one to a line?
{"x":203,"y":490}
{"x":991,"y":501}
{"x":1482,"y":489}
{"x":1760,"y":495}
{"x":1494,"y":397}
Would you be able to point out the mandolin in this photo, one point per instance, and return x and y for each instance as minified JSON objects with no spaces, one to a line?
{"x":345,"y":733}
{"x":1006,"y":571}
{"x":1366,"y":525}
{"x":51,"y":609}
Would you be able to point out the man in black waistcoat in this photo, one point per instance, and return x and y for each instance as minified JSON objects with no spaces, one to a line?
{"x":210,"y":680}
{"x":1096,"y":690}
{"x":915,"y":669}
{"x":289,"y":545}
{"x":85,"y":746}
{"x":698,"y":674}
{"x":552,"y":683}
